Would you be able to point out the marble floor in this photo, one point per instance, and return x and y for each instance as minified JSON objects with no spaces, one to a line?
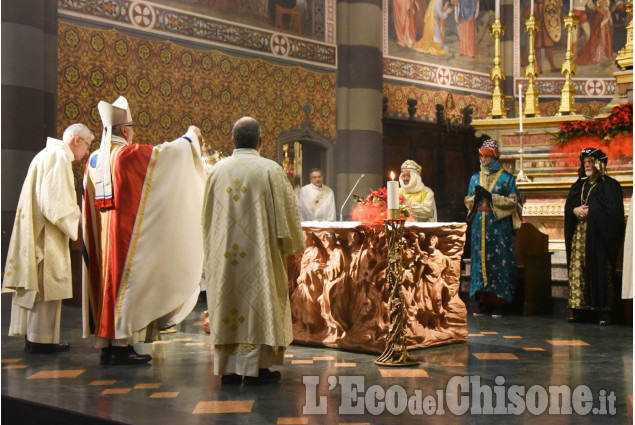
{"x":516,"y":366}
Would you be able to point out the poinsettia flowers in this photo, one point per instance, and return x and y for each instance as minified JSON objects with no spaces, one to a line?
{"x":371,"y":210}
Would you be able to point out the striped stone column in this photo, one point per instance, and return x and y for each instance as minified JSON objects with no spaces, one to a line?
{"x":29,"y":94}
{"x":358,"y":148}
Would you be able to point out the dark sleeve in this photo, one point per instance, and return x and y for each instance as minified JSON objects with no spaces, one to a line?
{"x":606,"y":217}
{"x":570,"y":220}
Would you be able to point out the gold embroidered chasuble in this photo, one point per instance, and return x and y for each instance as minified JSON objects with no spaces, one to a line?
{"x":250,"y":222}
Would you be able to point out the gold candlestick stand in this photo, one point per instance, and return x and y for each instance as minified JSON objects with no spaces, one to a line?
{"x":531,"y":70}
{"x":624,"y":57}
{"x":567,"y":97}
{"x":497,"y":73}
{"x":396,"y":351}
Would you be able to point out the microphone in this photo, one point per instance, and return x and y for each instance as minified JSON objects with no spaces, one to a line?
{"x":349,"y":195}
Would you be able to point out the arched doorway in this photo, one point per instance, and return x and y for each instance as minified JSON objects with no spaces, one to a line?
{"x":303,"y":149}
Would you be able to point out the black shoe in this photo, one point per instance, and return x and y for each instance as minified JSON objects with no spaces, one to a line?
{"x":498,"y":311}
{"x":265,"y":376}
{"x":481,"y":309}
{"x":605,"y":319}
{"x":574,"y":316}
{"x":39,"y":348}
{"x":106,"y":354}
{"x":231,"y":378}
{"x":125,"y":356}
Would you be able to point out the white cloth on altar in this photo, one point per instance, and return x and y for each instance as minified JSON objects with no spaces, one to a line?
{"x":317,"y":203}
{"x":250,"y":222}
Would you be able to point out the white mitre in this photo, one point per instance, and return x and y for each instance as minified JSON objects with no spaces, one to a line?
{"x":111,"y":114}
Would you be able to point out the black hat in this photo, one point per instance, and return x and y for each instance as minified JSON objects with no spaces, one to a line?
{"x":595,"y":154}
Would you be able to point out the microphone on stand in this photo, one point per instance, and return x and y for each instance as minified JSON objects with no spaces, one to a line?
{"x":349,"y":195}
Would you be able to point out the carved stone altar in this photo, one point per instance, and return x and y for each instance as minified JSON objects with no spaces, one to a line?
{"x":339,"y":291}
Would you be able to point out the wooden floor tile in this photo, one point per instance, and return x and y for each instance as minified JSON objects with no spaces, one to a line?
{"x":162,"y":342}
{"x":301,"y":361}
{"x":495,"y":356}
{"x":288,"y":356}
{"x":11,"y":360}
{"x":147,"y":386}
{"x":452,"y":364}
{"x":57,"y":374}
{"x":302,"y":420}
{"x":533,"y":349}
{"x":16,"y":366}
{"x":115,"y":391}
{"x":194,"y":344}
{"x":513,"y":337}
{"x":181,"y":339}
{"x":104,"y":383}
{"x":165,"y":395}
{"x":243,"y":406}
{"x":403,"y":373}
{"x":343,"y":364}
{"x":475,"y":335}
{"x":489,"y":333}
{"x":566,"y":342}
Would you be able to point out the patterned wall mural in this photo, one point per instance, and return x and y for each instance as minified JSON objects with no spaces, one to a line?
{"x":170,"y":87}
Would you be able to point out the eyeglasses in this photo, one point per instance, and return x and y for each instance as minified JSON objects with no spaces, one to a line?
{"x":130,"y":125}
{"x":87,"y":143}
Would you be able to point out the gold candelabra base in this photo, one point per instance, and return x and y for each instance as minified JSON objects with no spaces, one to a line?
{"x":396,"y":351}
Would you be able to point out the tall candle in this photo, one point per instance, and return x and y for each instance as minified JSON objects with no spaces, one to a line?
{"x":532,"y":8}
{"x":570,"y":6}
{"x":520,"y":105}
{"x":393,"y":193}
{"x":497,"y":9}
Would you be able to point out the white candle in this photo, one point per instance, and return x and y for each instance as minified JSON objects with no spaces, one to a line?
{"x":393,"y":193}
{"x":497,"y":9}
{"x":520,"y":105}
{"x":570,"y":6}
{"x":532,"y":8}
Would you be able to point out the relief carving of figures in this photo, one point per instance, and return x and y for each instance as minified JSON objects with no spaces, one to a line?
{"x":339,"y":290}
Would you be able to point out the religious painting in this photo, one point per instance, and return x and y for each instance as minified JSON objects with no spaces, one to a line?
{"x":600,"y":34}
{"x":453,"y":33}
{"x":304,"y":18}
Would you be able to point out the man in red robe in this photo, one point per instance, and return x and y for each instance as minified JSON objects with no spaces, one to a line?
{"x":143,"y":251}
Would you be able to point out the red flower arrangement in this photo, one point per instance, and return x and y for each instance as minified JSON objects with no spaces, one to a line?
{"x":614,"y":135}
{"x":371,"y":210}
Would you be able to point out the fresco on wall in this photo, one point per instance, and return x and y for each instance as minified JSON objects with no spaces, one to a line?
{"x":600,"y":34}
{"x":446,"y":32}
{"x":299,"y":17}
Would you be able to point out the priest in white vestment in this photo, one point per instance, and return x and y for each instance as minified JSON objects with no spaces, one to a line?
{"x":38,"y":268}
{"x":419,"y":197}
{"x":142,"y":236}
{"x":317,"y":202}
{"x":250,"y":223}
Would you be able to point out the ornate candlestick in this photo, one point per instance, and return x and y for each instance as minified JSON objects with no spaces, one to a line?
{"x":624,"y":57}
{"x":497,"y":73}
{"x":396,"y":351}
{"x":567,"y":97}
{"x":531,"y":70}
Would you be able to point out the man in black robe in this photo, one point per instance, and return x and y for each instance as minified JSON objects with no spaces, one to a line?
{"x":594,"y":231}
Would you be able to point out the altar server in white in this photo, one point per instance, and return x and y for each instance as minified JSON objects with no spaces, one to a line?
{"x":38,"y":268}
{"x":317,"y":202}
{"x":250,"y":222}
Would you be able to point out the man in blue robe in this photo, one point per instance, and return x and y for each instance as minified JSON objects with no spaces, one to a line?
{"x":494,"y":206}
